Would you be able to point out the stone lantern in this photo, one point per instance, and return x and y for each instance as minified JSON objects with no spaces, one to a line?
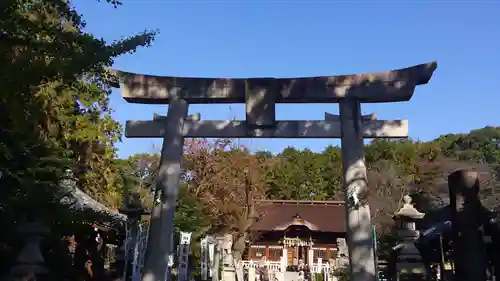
{"x":30,"y":263}
{"x":409,"y":264}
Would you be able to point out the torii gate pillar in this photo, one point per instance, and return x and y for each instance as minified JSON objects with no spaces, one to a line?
{"x":358,"y":218}
{"x":167,"y":182}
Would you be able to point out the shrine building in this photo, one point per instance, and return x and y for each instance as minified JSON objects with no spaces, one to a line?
{"x":306,"y":232}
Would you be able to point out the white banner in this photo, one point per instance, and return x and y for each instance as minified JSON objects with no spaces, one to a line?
{"x":204,"y":258}
{"x":211,"y":255}
{"x":184,"y":255}
{"x":141,"y":242}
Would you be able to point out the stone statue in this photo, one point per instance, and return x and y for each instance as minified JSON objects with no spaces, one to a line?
{"x":343,"y":253}
{"x":226,"y":246}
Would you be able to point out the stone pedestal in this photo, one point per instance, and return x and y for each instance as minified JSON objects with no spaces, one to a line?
{"x":409,"y":264}
{"x":291,"y":276}
{"x":228,"y":273}
{"x":228,"y":270}
{"x":279,"y":276}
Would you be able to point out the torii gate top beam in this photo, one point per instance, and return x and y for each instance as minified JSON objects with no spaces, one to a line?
{"x":388,"y":86}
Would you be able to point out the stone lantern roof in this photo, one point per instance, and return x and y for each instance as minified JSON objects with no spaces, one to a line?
{"x":408,"y":211}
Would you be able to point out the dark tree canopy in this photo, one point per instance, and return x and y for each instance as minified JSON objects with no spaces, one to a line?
{"x":54,"y":104}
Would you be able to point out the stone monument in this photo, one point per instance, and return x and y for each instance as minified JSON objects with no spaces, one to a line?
{"x":260,"y":96}
{"x":228,"y":270}
{"x":342,"y":253}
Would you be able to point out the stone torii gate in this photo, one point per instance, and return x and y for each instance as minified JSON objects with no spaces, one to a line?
{"x":260,"y":96}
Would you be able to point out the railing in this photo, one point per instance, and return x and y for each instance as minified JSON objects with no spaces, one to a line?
{"x":276,"y":266}
{"x":271,"y":265}
{"x":275,"y":272}
{"x":320,"y":268}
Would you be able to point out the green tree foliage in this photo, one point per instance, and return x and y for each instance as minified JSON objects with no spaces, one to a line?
{"x":304,"y":175}
{"x":218,"y":173}
{"x":136,"y":175}
{"x":481,"y":145}
{"x":189,"y":215}
{"x":54,"y":103}
{"x":342,"y":274}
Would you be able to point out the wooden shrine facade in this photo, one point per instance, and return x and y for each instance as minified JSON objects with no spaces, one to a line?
{"x":303,"y":231}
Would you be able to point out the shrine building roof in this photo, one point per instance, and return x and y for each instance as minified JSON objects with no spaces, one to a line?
{"x":321,"y":216}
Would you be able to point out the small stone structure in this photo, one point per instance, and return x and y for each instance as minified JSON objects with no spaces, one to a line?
{"x":343,"y":253}
{"x":228,"y":269}
{"x":409,"y":264}
{"x":30,"y":264}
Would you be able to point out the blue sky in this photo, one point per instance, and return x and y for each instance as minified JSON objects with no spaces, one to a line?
{"x":314,"y":38}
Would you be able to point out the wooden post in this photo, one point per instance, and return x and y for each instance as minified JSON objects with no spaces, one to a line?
{"x":167,"y":182}
{"x":470,"y":257}
{"x":359,"y":225}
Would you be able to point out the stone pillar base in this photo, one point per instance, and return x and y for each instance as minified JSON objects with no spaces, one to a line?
{"x":228,"y":274}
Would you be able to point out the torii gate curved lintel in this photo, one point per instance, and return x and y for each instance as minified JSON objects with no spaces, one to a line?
{"x":388,"y":86}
